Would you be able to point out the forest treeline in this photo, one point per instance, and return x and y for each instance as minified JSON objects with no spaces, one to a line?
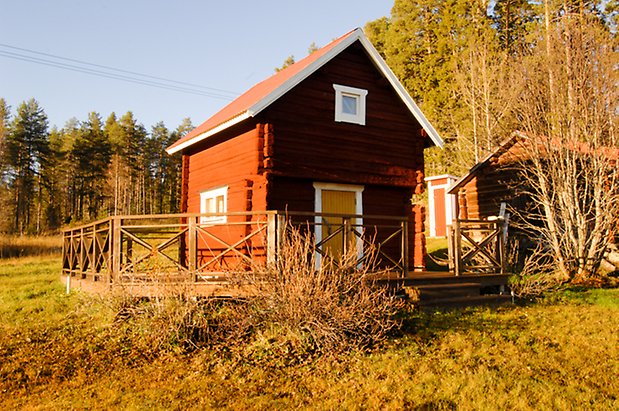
{"x":86,"y":170}
{"x":479,"y":69}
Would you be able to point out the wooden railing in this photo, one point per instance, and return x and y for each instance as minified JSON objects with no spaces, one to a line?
{"x":202,"y":247}
{"x":478,"y":246}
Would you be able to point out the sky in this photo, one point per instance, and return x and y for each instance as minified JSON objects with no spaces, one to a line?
{"x":216,"y":48}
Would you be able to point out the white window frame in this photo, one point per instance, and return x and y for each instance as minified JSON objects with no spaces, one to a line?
{"x":318,"y":188}
{"x":359,"y":95}
{"x":213,"y":193}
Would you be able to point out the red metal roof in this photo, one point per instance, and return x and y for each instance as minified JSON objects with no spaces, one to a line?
{"x":263,"y":94}
{"x":258,"y":92}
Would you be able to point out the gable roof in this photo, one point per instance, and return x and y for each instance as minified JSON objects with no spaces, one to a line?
{"x":500,"y":150}
{"x":260,"y":96}
{"x":524,"y":141}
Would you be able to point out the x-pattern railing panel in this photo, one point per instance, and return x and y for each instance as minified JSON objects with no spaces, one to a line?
{"x":478,"y":246}
{"x":152,"y":250}
{"x":235,"y":249}
{"x":123,"y":246}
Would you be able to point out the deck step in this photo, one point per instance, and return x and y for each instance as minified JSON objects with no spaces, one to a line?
{"x":483,"y":279}
{"x":467,"y":301}
{"x":437,"y":291}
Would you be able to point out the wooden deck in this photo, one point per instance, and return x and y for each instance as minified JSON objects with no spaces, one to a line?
{"x":184,"y":254}
{"x":429,"y":289}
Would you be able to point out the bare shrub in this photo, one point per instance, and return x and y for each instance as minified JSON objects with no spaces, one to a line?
{"x":300,"y":309}
{"x":537,"y":275}
{"x":331,"y":306}
{"x":568,"y":110}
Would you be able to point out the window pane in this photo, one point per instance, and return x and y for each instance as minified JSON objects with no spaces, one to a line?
{"x":349,"y":105}
{"x":220,"y":204}
{"x":209,"y":205}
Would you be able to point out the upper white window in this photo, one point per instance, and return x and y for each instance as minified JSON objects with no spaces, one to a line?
{"x":350,"y":104}
{"x":214,"y":201}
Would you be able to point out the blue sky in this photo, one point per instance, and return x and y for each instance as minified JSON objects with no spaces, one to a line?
{"x":227,"y":45}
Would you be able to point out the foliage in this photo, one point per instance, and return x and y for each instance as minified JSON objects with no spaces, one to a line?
{"x":84,"y":171}
{"x":568,"y":109}
{"x":467,"y":63}
{"x":25,"y":151}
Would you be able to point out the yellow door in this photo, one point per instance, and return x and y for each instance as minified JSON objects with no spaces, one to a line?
{"x":340,"y":202}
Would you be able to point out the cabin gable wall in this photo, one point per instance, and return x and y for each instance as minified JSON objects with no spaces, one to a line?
{"x":309,"y":143}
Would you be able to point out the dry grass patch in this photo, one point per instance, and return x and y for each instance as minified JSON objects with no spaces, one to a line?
{"x":12,"y":246}
{"x":300,"y":311}
{"x":62,"y":352}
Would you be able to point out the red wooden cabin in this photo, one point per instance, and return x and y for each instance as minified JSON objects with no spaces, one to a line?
{"x":333,"y":133}
{"x":496,"y":180}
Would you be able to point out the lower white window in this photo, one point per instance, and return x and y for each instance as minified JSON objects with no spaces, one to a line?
{"x":214,"y":201}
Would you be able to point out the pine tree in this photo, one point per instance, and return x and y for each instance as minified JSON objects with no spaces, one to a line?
{"x":156,"y":158}
{"x":172,"y":167}
{"x":90,"y":154}
{"x":513,"y":19}
{"x":26,"y":148}
{"x":55,"y":180}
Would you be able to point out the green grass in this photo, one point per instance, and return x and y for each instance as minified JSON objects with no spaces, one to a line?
{"x":65,"y":352}
{"x":436,"y":248}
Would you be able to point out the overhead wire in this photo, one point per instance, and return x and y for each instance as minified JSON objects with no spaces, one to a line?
{"x":115,"y":73}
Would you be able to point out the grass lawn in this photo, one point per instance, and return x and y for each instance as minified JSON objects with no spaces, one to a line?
{"x":66,"y":352}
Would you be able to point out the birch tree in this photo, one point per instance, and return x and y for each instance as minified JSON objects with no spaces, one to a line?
{"x":569,"y":110}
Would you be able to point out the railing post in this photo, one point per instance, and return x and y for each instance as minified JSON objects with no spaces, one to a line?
{"x":501,"y":245}
{"x":272,"y":237}
{"x":345,"y":234}
{"x":405,"y":250}
{"x":117,"y":247}
{"x":82,"y":253}
{"x":110,"y":245}
{"x":457,"y":248}
{"x":450,"y":246}
{"x":93,"y":264}
{"x":282,"y":221}
{"x":193,"y":244}
{"x":65,"y":259}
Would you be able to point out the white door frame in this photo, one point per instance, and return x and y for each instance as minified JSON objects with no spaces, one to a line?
{"x":318,"y":188}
